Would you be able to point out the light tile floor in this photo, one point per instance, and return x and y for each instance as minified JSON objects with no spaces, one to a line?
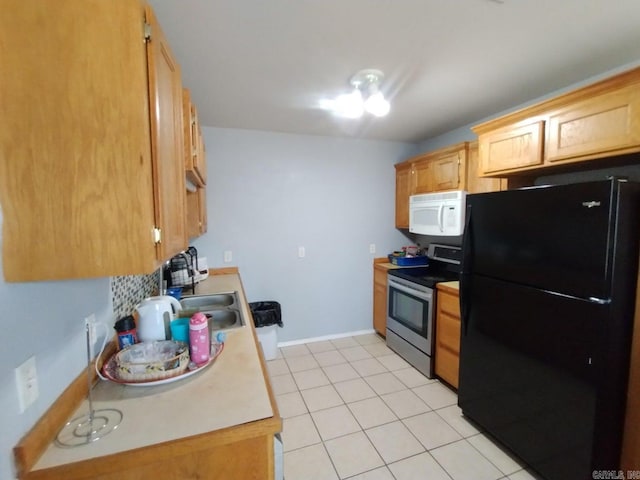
{"x":353,"y":409}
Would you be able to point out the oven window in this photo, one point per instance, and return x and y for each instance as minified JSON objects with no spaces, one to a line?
{"x":409,"y":310}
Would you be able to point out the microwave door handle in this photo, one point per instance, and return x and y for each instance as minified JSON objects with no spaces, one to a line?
{"x":440,"y":218}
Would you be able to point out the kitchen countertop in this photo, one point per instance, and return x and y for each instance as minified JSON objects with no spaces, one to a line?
{"x":230,"y":392}
{"x":451,"y":287}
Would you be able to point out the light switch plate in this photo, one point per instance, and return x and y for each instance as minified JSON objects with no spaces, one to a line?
{"x":27,"y":383}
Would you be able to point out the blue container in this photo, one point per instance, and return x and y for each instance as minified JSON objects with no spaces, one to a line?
{"x":175,"y":292}
{"x":409,"y":261}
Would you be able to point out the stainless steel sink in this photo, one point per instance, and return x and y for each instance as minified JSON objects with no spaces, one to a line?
{"x":222,"y":309}
{"x":223,"y":319}
{"x":208,"y":302}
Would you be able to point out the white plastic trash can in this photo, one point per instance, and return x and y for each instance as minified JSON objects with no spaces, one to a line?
{"x":268,"y":338}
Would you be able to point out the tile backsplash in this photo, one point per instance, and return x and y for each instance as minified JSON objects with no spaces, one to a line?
{"x":127,"y":291}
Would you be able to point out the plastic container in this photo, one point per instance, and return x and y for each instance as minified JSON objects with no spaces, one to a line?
{"x":126,"y":328}
{"x":409,"y":261}
{"x":180,"y":329}
{"x":199,"y":343}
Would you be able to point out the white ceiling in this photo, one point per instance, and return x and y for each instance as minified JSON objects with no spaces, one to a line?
{"x":265,"y":65}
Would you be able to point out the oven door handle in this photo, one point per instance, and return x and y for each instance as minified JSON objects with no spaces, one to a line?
{"x":411,"y":291}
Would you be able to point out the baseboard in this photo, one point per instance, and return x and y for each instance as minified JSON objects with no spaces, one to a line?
{"x":325,"y":337}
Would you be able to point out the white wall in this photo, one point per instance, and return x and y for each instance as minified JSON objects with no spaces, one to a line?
{"x":269,"y":193}
{"x":465,"y":134}
{"x":45,"y":319}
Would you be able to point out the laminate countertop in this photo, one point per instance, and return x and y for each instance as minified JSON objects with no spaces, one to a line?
{"x":229,"y":392}
{"x":451,"y":287}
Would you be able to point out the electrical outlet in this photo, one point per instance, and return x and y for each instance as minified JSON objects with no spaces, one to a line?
{"x":228,"y":256}
{"x":27,"y":383}
{"x":301,"y":252}
{"x":372,"y":248}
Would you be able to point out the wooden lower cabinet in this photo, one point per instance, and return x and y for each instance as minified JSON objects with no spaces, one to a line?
{"x":380,"y":269}
{"x":233,"y":455}
{"x":447,"y":358}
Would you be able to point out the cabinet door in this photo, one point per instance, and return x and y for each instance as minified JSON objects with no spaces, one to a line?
{"x":404,"y":180}
{"x":476,"y":184}
{"x":448,"y":338}
{"x":165,"y":95}
{"x":423,"y":177}
{"x":445,"y":172}
{"x":202,"y":197}
{"x":604,"y":124}
{"x":511,"y":148}
{"x":380,"y":300}
{"x":197,"y":212}
{"x":199,"y":158}
{"x":75,"y":155}
{"x":190,"y":139}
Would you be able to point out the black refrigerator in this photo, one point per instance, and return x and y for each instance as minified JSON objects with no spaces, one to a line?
{"x":547,"y":296}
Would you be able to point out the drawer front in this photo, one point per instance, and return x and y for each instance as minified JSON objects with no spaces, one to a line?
{"x":449,"y":303}
{"x":447,"y":367}
{"x":448,"y":333}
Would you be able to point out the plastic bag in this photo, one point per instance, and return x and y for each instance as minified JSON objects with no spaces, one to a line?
{"x":266,"y":313}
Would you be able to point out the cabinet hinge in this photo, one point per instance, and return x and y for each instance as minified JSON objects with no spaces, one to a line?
{"x":157,"y":235}
{"x":147,"y":32}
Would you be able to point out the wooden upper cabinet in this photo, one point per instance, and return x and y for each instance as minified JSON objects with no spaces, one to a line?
{"x":165,"y":96}
{"x":442,"y":169}
{"x":200,"y":158}
{"x":448,"y":171}
{"x":604,"y":123}
{"x":194,"y":161}
{"x":475,"y":183}
{"x":422,"y":177}
{"x":87,"y":173}
{"x":511,"y":147}
{"x":594,"y":122}
{"x":196,"y":212}
{"x":404,"y":187}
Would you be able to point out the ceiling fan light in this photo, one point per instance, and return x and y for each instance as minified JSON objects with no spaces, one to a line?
{"x":377,"y":105}
{"x":350,"y":105}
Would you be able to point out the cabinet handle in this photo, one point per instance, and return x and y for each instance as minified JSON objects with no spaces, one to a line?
{"x":157,"y":235}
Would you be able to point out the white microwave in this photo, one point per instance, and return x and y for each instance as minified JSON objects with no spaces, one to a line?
{"x":440,"y":214}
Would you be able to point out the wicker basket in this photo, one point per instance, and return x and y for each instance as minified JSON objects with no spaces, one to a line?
{"x":152,"y":360}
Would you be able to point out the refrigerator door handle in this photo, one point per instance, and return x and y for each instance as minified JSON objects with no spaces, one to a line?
{"x":465,"y":276}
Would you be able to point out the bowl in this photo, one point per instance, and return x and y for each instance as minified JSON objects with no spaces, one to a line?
{"x":152,"y":360}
